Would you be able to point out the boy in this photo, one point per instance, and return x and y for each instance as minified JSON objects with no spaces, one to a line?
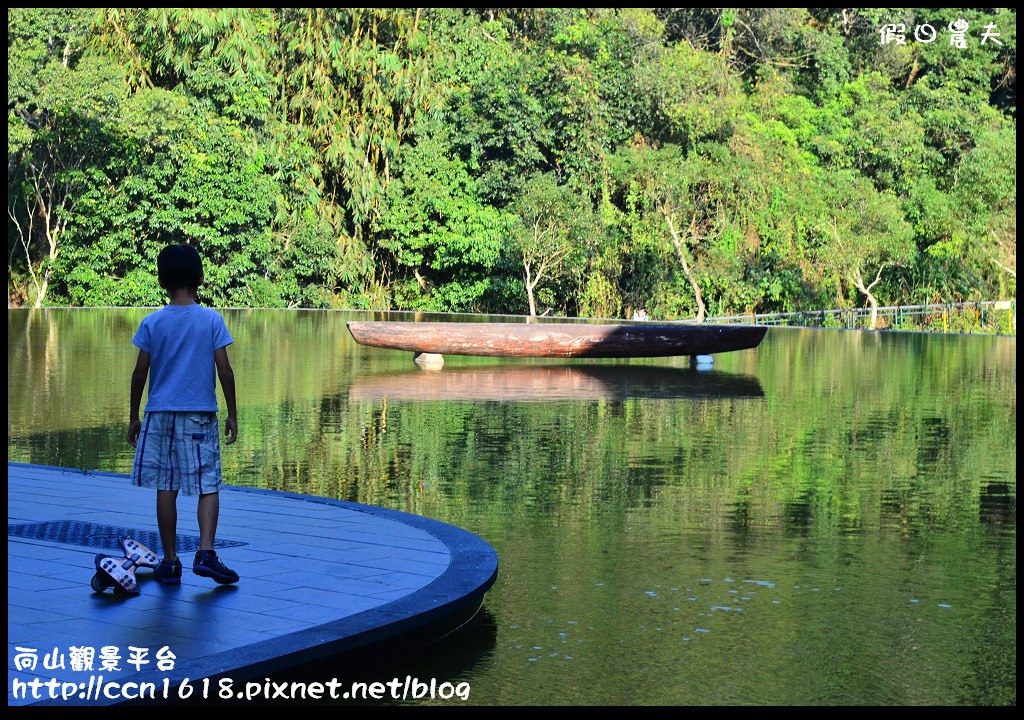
{"x":177,"y":448}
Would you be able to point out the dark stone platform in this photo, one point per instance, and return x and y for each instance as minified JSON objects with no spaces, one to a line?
{"x":320,"y":578}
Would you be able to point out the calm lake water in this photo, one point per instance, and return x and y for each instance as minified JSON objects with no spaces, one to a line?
{"x":830,"y":518}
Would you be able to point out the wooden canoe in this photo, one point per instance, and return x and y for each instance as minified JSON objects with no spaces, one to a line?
{"x":557,"y":340}
{"x":525,"y":383}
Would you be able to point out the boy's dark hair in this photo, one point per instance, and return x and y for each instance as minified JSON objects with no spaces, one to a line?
{"x":179,"y":266}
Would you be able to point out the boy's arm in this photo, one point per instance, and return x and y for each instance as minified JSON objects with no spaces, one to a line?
{"x":139,"y":375}
{"x":227,"y":382}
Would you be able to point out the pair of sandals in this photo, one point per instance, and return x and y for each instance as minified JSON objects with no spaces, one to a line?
{"x":119,"y":573}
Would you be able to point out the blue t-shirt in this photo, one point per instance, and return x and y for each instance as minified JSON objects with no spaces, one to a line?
{"x":181,"y":340}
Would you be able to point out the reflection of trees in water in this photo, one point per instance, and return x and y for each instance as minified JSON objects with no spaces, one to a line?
{"x":997,"y":505}
{"x":880,"y":436}
{"x":854,"y":430}
{"x":888,"y":461}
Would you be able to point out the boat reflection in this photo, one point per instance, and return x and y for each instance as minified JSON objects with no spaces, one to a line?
{"x":554,"y":382}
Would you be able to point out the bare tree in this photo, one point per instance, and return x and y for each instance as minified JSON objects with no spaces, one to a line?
{"x":543,"y":238}
{"x":542,"y":256}
{"x":868,"y":231}
{"x":679,"y":243}
{"x":676,"y":190}
{"x":51,"y":189}
{"x":60,"y":133}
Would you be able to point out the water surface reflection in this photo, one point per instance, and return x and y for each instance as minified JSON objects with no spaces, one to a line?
{"x":828,"y":519}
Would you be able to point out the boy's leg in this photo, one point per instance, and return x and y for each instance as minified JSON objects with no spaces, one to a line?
{"x":167,"y":521}
{"x":208,"y":513}
{"x":208,"y":475}
{"x":207,"y":564}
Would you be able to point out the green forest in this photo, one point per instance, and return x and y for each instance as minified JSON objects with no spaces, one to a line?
{"x":688,"y":162}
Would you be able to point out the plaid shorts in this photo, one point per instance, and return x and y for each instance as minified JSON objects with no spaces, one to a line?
{"x":178,"y":451}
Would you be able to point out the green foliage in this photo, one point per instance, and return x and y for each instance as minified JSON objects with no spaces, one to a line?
{"x":863,"y":231}
{"x":695,"y":96}
{"x":436,"y":225}
{"x":37,"y":38}
{"x":390,"y":157}
{"x":548,"y":236}
{"x":207,"y":184}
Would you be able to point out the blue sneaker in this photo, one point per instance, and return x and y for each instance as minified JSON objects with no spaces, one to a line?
{"x":207,"y":564}
{"x":168,"y":572}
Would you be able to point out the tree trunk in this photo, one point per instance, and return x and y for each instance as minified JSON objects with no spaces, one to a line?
{"x":858,"y":280}
{"x":52,"y":233}
{"x":529,"y":291}
{"x":42,"y":289}
{"x":874,"y":310}
{"x":420,"y":280}
{"x":681,"y":254}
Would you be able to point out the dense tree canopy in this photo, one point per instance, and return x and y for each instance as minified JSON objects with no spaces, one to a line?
{"x":690,"y":162}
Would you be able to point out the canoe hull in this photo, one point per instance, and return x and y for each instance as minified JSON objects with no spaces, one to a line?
{"x":557,"y":340}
